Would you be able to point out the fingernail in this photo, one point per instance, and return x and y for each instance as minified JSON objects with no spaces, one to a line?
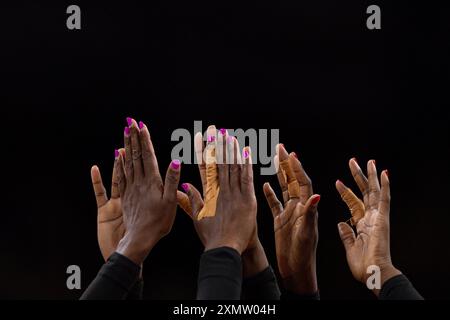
{"x":229,"y":139}
{"x":175,"y":164}
{"x":127,"y":131}
{"x":374,"y":162}
{"x":211,"y":138}
{"x":129,"y":121}
{"x":223,"y":131}
{"x":185,"y":187}
{"x":246,"y":153}
{"x":315,"y":200}
{"x":116,"y":154}
{"x":338,"y":181}
{"x":354,"y":159}
{"x":141,"y":124}
{"x":294,"y":154}
{"x":387,"y":173}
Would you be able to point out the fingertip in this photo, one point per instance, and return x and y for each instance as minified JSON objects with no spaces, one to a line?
{"x":185,"y":187}
{"x":315,"y":199}
{"x":175,"y":165}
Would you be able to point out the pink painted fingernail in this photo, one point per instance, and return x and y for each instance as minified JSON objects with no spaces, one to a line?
{"x":175,"y":164}
{"x":246,"y":154}
{"x":185,"y":187}
{"x":116,"y":154}
{"x":127,"y":131}
{"x":211,"y":138}
{"x":141,"y":124}
{"x":129,"y":121}
{"x":230,"y":139}
{"x":223,"y":131}
{"x":387,"y":173}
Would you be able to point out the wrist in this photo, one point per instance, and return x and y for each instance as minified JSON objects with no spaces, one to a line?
{"x":254,"y":260}
{"x":230,"y":244}
{"x":303,"y":281}
{"x":386,"y":272}
{"x":134,"y":249}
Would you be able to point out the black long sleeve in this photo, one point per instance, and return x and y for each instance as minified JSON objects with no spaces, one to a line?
{"x":399,"y":288}
{"x":293,"y":296}
{"x":137,"y":292}
{"x":220,"y":275}
{"x":114,"y":281}
{"x":262,"y":286}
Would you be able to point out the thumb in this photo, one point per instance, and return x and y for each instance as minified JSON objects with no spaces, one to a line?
{"x":171,"y":182}
{"x":347,"y":235}
{"x":311,"y":208}
{"x":195,"y":200}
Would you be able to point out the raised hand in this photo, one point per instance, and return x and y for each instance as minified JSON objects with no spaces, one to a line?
{"x":148,"y":205}
{"x":295,"y":224}
{"x":234,"y":223}
{"x":110,"y":227}
{"x":370,"y":245}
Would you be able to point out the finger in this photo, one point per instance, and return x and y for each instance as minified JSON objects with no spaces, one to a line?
{"x":221,"y":155}
{"x":354,"y":204}
{"x":199,"y":147}
{"x":285,"y":164}
{"x":99,"y":189}
{"x":347,"y":235}
{"x":304,"y":181}
{"x":247,"y":172}
{"x":275,"y":205}
{"x":385,"y":197}
{"x":311,"y":209}
{"x":115,"y":193}
{"x":360,"y":180}
{"x":128,"y":155}
{"x":149,"y":161}
{"x":184,"y":203}
{"x":281,"y":179}
{"x":195,"y":199}
{"x":172,"y":180}
{"x":136,"y":153}
{"x":374,"y":185}
{"x":235,"y":167}
{"x":121,"y":177}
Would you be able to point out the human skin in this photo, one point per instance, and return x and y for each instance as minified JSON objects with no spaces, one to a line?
{"x":148,"y":204}
{"x":371,"y":244}
{"x":295,"y":225}
{"x":234,"y":224}
{"x":110,"y":227}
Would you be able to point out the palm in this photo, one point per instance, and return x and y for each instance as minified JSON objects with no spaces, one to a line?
{"x":110,"y":227}
{"x":292,"y":238}
{"x":368,"y":249}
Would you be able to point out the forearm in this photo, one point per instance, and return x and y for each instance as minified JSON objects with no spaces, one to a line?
{"x":220,"y":275}
{"x":259,"y":281}
{"x":114,"y":281}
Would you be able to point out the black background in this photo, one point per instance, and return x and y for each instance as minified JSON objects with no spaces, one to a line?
{"x":309,"y":68}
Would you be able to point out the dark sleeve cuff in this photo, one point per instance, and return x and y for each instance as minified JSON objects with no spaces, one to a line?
{"x":137,"y":292}
{"x":262,"y":286}
{"x":115,"y":279}
{"x":220,"y":275}
{"x":399,"y":288}
{"x":293,"y":296}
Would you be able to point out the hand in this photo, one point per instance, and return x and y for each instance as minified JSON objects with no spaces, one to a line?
{"x":370,"y":245}
{"x":110,"y":227}
{"x":234,"y":223}
{"x":148,"y":206}
{"x":295,"y":224}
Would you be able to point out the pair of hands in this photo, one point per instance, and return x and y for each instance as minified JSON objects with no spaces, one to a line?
{"x":141,"y":209}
